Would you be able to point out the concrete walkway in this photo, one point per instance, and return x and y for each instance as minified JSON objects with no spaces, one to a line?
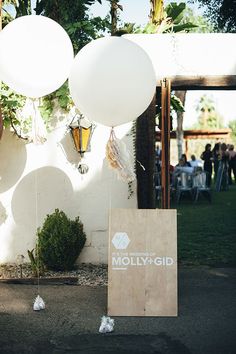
{"x":70,"y":322}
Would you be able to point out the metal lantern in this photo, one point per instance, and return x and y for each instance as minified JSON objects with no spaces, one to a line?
{"x":81,"y":130}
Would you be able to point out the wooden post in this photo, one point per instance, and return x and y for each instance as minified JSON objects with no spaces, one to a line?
{"x":186,"y":147}
{"x":165,"y":143}
{"x":145,"y":156}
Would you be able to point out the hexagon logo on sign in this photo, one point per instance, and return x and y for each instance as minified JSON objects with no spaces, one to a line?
{"x":120,"y":240}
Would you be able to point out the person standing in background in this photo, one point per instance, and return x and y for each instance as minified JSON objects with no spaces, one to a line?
{"x":158,"y":151}
{"x":216,"y":158}
{"x":207,"y":157}
{"x":232,"y":163}
{"x":222,"y":179}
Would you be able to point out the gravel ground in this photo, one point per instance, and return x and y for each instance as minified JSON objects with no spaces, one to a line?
{"x":87,"y":274}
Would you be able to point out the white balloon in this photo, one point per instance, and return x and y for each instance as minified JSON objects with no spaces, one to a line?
{"x":36,"y":55}
{"x":112,"y":80}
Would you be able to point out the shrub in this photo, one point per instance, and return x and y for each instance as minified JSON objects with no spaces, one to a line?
{"x":60,"y":241}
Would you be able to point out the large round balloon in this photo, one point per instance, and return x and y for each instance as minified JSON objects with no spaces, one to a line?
{"x":36,"y":55}
{"x":112,"y":80}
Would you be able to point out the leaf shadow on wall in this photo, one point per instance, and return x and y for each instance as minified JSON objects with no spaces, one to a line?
{"x":13,"y":159}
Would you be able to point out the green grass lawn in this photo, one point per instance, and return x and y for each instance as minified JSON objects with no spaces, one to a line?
{"x":207,"y":232}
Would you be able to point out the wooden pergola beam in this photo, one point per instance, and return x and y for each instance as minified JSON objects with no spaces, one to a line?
{"x":165,"y":142}
{"x":219,"y":82}
{"x":199,"y":134}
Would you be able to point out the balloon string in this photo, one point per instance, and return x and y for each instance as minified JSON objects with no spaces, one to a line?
{"x":36,"y":224}
{"x":34,"y":121}
{"x":110,"y":205}
{"x":34,"y":113}
{"x":112,"y":134}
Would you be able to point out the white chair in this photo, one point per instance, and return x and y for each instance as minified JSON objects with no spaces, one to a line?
{"x":200,"y":186}
{"x":184,"y":185}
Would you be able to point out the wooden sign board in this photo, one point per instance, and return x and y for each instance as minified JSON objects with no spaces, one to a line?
{"x":142,"y":263}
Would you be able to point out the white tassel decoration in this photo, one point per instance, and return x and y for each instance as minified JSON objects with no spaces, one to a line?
{"x":107,"y":325}
{"x":119,"y":158}
{"x":39,"y":304}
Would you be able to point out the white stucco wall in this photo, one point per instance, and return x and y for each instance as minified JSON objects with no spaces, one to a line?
{"x":37,"y":179}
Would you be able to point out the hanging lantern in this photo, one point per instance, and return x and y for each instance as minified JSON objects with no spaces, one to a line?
{"x":82,"y":130}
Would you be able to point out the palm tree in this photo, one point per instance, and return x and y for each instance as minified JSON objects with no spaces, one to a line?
{"x":208,"y":115}
{"x":115,"y":6}
{"x":157,"y":11}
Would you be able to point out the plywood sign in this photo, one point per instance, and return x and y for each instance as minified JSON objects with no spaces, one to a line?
{"x":142,"y":263}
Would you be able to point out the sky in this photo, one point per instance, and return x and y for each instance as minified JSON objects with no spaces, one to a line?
{"x":134,"y":11}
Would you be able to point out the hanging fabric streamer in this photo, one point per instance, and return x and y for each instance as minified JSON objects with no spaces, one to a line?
{"x":39,"y":132}
{"x":119,"y":158}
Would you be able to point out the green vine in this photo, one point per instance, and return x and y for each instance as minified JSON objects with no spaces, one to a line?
{"x":12,"y":104}
{"x":60,"y":98}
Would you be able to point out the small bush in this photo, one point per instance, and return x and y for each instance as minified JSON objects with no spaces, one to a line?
{"x":60,"y":241}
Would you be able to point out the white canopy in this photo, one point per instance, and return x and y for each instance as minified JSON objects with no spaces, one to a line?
{"x":189,"y":54}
